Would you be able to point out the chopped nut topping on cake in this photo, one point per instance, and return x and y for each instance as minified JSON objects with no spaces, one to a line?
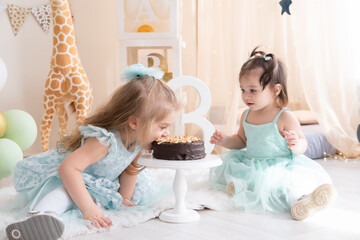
{"x":178,"y":139}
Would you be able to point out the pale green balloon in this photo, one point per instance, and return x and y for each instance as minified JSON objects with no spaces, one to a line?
{"x":20,"y":127}
{"x":10,"y":154}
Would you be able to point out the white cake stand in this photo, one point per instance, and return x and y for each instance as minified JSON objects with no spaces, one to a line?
{"x":180,"y":214}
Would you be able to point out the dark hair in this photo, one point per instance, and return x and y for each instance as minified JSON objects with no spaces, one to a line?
{"x":274,"y":72}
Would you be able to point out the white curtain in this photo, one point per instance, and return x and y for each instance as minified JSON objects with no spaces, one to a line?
{"x":322,"y":58}
{"x":327,"y":40}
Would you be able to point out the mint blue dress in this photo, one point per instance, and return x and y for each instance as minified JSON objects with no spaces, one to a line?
{"x":266,"y":175}
{"x":38,"y":175}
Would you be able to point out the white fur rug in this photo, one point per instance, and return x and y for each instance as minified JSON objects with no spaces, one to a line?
{"x":199,"y":196}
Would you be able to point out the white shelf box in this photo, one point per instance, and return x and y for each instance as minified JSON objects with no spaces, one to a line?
{"x":163,"y":53}
{"x":137,"y":18}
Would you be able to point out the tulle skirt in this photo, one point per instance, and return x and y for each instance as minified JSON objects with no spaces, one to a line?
{"x":267,"y":184}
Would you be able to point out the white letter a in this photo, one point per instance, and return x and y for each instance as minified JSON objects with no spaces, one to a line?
{"x":145,"y":9}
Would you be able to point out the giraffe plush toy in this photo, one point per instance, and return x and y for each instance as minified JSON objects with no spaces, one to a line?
{"x":67,"y":82}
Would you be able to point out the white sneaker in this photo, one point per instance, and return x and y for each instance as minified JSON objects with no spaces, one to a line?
{"x":38,"y":226}
{"x":318,"y":200}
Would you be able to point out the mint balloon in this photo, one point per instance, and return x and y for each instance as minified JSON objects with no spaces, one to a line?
{"x":20,"y":128}
{"x":10,"y":154}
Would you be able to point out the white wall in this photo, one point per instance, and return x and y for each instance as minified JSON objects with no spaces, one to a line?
{"x":27,"y":56}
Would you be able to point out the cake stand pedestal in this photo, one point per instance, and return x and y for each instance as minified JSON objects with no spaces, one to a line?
{"x":180,"y":214}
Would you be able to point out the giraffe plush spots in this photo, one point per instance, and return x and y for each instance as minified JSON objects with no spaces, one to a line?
{"x":67,"y":82}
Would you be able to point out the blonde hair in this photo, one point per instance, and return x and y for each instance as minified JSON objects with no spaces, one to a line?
{"x":146,"y":97}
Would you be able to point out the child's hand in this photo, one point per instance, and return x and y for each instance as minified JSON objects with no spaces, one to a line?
{"x":292,"y":138}
{"x":96,"y":217}
{"x":217,"y":138}
{"x":128,"y":203}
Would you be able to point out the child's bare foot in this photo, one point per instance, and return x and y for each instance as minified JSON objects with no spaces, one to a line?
{"x":230,"y":189}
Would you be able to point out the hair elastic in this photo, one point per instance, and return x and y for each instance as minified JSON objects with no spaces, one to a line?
{"x":267,"y":58}
{"x":138,"y":70}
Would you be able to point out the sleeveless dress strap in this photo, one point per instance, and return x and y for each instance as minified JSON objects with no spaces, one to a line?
{"x":246,"y":113}
{"x":278,"y":115}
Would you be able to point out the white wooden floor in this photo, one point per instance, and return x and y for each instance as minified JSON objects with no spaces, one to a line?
{"x":341,"y":221}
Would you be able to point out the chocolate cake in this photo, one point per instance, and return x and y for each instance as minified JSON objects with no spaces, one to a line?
{"x":178,"y":148}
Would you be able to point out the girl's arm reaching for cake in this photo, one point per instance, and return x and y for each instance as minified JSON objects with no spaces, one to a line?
{"x":236,"y":141}
{"x":230,"y":142}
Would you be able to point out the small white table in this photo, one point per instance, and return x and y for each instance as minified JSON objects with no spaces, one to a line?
{"x":180,"y":214}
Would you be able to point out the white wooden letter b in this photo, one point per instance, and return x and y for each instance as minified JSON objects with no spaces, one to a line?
{"x":196,"y":116}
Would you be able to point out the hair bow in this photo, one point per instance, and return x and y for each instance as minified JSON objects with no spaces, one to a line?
{"x":138,"y":70}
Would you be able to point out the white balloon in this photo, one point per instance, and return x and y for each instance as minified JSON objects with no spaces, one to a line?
{"x":3,"y":74}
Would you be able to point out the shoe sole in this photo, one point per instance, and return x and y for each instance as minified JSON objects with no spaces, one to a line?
{"x":318,"y":200}
{"x":40,"y":227}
